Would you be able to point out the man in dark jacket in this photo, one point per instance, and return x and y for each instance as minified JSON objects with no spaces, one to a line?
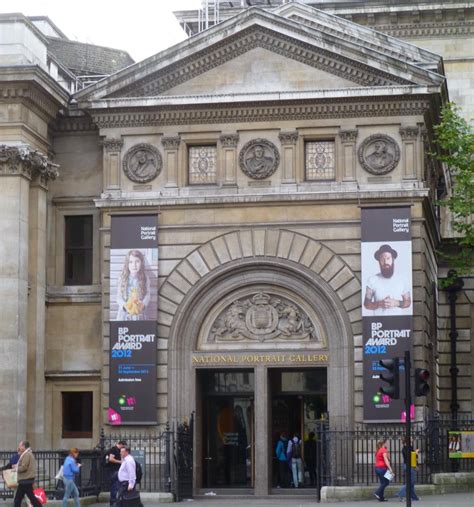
{"x":310,"y":457}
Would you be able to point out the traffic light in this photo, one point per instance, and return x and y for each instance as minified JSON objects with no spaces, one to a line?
{"x":392,"y":377}
{"x":421,"y":382}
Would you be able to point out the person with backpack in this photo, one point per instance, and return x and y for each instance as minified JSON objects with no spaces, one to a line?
{"x":283,"y":470}
{"x":295,"y":457}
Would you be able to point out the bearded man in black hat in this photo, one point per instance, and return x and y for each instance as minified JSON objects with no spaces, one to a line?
{"x":386,"y":293}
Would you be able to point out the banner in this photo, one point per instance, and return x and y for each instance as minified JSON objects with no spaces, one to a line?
{"x":460,"y":444}
{"x":133,"y":315}
{"x":387,"y":304}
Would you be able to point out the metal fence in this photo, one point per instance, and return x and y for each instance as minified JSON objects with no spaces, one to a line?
{"x":344,"y":457}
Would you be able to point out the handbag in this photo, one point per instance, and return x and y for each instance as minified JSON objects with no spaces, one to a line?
{"x":40,"y":495}
{"x":10,"y":477}
{"x":60,"y":475}
{"x":389,"y":475}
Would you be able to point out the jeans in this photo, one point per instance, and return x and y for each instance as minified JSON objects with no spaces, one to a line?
{"x":283,"y":474}
{"x":383,"y":482}
{"x":297,"y":471}
{"x":25,"y":488}
{"x":403,"y":491}
{"x":114,"y":486}
{"x":70,"y":488}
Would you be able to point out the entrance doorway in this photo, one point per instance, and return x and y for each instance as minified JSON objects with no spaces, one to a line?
{"x":228,"y":429}
{"x":299,"y":403}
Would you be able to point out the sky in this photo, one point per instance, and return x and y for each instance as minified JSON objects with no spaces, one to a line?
{"x":140,"y":27}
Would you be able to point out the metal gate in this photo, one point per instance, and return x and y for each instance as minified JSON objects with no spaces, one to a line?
{"x":183,"y":460}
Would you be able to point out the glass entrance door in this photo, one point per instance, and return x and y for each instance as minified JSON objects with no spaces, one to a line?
{"x":228,"y":430}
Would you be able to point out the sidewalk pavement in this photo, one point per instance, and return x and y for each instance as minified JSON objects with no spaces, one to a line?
{"x":448,"y":500}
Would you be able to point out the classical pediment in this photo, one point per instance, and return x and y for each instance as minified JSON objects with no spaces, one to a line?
{"x":259,"y":52}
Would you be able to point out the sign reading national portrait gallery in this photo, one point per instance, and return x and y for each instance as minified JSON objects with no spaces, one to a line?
{"x":133,"y":314}
{"x":387,"y":303}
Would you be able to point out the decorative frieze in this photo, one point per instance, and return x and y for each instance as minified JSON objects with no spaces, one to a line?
{"x":272,"y":112}
{"x":288,"y":138}
{"x":26,"y":161}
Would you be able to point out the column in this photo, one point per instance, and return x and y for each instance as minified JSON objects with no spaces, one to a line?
{"x":263,"y":444}
{"x":111,"y":164}
{"x":21,"y":353}
{"x":288,"y":143}
{"x":171,"y":147}
{"x":348,"y":141}
{"x":409,"y":137}
{"x":229,"y":144}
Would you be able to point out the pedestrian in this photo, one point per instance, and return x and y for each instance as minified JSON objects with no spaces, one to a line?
{"x":70,"y":469}
{"x":407,"y":466}
{"x":295,"y":457}
{"x":26,"y":471}
{"x":127,"y":474}
{"x":12,"y":461}
{"x":310,"y":457}
{"x":283,"y":470}
{"x":382,"y":464}
{"x":112,"y":466}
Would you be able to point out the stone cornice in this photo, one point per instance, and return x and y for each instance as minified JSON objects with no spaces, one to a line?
{"x":250,"y":38}
{"x":268,"y":111}
{"x":454,"y":28}
{"x":380,"y":192}
{"x":25,"y":161}
{"x":74,"y":124}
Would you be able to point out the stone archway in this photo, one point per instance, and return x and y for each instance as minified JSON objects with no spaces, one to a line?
{"x":241,"y":257}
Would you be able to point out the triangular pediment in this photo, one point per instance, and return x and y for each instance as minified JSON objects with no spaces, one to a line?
{"x":257,"y":52}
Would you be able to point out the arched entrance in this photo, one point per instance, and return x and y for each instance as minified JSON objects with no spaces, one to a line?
{"x":291,"y":319}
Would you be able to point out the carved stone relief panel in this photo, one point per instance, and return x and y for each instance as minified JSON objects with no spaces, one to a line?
{"x":142,"y":163}
{"x":259,"y":159}
{"x":379,"y":154}
{"x":261,"y":317}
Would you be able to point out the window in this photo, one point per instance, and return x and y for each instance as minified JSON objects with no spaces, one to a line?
{"x":77,"y":414}
{"x":202,"y":165}
{"x":319,"y":160}
{"x":78,"y":250}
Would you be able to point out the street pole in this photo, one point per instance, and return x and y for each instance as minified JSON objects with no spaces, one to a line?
{"x":408,"y":427}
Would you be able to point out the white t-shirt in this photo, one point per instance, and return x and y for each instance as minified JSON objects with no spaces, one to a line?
{"x":393,"y":287}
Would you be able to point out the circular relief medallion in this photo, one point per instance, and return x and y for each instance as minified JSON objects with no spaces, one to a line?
{"x":259,"y":159}
{"x":142,"y":163}
{"x":379,"y":154}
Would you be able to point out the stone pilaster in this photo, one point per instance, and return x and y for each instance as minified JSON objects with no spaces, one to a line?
{"x":22,"y":288}
{"x":288,"y":143}
{"x":409,"y":137}
{"x":171,"y":147}
{"x":348,"y":141}
{"x":111,"y":164}
{"x":229,"y":144}
{"x":263,"y":441}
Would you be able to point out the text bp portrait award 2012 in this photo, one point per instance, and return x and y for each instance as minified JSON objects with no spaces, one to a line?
{"x":133,"y":314}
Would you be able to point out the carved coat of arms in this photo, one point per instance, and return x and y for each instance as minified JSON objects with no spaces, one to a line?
{"x":262,"y":317}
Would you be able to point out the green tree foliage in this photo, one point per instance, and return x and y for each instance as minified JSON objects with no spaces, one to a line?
{"x":455,"y":141}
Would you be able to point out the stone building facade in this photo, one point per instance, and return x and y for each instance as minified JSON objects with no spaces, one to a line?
{"x":247,"y":141}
